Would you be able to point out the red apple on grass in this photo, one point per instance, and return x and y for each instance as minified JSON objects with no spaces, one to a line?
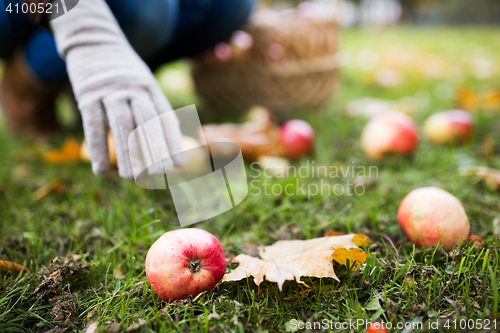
{"x":297,"y":138}
{"x":477,"y":240}
{"x":449,"y":126}
{"x":184,"y":263}
{"x":376,"y":328}
{"x":429,"y":214}
{"x":391,"y":132}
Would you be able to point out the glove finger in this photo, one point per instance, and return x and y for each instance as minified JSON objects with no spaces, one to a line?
{"x":171,"y":127}
{"x":94,"y":126}
{"x":121,"y":122}
{"x":145,"y":114}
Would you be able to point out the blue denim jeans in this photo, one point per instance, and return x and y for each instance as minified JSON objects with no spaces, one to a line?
{"x":159,"y":30}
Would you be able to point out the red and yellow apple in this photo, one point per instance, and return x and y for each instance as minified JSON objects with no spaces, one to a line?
{"x":183,"y":263}
{"x":297,"y":138}
{"x":449,"y":126}
{"x":430,"y":214}
{"x":390,"y":132}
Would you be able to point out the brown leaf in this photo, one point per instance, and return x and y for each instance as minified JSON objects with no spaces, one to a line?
{"x":53,"y":186}
{"x":292,"y":259}
{"x":257,"y":137}
{"x":305,"y":292}
{"x":9,"y":266}
{"x":117,"y":273}
{"x":254,"y":140}
{"x":69,"y":153}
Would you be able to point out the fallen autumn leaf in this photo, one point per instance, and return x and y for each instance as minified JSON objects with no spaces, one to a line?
{"x":292,"y":259}
{"x":9,"y":266}
{"x":69,"y":153}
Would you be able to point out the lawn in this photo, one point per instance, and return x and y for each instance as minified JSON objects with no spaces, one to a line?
{"x":85,"y":246}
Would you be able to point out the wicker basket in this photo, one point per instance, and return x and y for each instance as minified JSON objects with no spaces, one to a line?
{"x":291,"y":66}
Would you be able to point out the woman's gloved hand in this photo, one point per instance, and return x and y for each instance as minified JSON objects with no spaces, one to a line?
{"x":111,"y":81}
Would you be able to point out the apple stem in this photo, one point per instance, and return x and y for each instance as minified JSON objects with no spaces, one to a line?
{"x":195,"y":266}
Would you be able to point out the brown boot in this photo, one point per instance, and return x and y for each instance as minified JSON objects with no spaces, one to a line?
{"x":28,"y":104}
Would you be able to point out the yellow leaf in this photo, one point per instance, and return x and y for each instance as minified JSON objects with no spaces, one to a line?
{"x":9,"y":266}
{"x":69,"y":153}
{"x":85,"y":156}
{"x":473,"y":101}
{"x":53,"y":186}
{"x":467,"y":100}
{"x":293,"y":259}
{"x":354,"y":255}
{"x":491,"y":100}
{"x":361,"y":240}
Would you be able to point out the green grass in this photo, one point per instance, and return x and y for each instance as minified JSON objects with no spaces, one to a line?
{"x":110,"y":223}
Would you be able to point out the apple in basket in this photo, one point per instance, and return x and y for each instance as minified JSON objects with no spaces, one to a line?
{"x":183,"y":263}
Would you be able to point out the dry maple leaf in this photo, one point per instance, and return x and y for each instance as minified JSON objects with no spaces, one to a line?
{"x":358,"y":239}
{"x":69,"y":153}
{"x":293,"y":259}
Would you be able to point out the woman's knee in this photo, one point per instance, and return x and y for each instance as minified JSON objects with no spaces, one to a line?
{"x":231,"y":15}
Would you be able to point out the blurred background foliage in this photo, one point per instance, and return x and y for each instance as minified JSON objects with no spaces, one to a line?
{"x":428,"y":12}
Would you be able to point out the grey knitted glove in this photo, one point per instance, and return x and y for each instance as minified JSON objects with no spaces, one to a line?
{"x":111,"y":81}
